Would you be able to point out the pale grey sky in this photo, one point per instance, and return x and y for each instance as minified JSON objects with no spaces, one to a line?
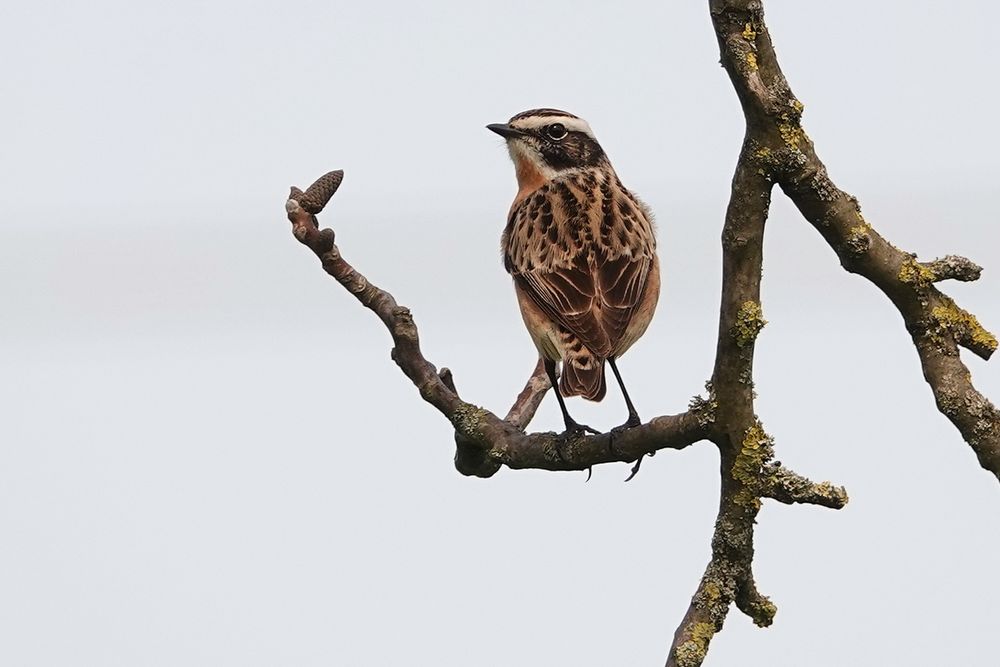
{"x":207,"y":457}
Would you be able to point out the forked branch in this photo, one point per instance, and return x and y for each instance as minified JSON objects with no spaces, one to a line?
{"x":777,"y":150}
{"x":784,"y":153}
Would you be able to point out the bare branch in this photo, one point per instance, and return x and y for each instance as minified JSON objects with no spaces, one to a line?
{"x":484,"y":441}
{"x":527,"y":402}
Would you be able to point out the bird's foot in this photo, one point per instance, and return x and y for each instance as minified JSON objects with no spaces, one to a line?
{"x":573,"y":430}
{"x":632,"y":421}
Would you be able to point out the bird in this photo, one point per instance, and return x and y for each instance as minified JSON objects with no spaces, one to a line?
{"x":581,"y":249}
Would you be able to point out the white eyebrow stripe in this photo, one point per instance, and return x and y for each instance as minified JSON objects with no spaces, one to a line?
{"x":571,"y":124}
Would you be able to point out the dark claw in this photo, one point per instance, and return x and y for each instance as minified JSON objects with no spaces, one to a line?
{"x":635,"y":468}
{"x":632,"y":422}
{"x":638,"y":462}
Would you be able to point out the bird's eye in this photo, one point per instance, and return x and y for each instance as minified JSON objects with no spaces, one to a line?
{"x":556,"y":131}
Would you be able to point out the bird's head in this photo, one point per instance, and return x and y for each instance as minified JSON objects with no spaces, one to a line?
{"x":545,"y":143}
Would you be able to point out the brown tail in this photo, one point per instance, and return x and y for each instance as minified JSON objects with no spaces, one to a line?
{"x":583,"y":375}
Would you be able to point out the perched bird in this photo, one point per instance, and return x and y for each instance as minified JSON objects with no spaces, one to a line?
{"x":582,"y":253}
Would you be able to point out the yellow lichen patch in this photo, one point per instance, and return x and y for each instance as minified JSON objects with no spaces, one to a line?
{"x":749,"y":321}
{"x":751,"y":61}
{"x":831,"y":492}
{"x":798,"y":106}
{"x":755,"y":450}
{"x":468,"y":419}
{"x":765,"y":158}
{"x":964,"y":326}
{"x":702,"y":632}
{"x":914,"y":273}
{"x":705,"y":408}
{"x":692,"y":652}
{"x":749,"y":33}
{"x":792,"y":135}
{"x":712,"y":591}
{"x":859,"y":238}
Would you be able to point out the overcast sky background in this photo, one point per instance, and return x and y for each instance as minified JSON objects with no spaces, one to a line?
{"x":208,"y":458}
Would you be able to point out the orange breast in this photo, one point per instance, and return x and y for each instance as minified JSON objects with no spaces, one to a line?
{"x":529,"y":178}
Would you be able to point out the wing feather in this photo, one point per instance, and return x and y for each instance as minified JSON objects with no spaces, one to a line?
{"x":583,"y":255}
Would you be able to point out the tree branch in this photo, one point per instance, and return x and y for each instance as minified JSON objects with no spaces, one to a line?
{"x":775,"y":151}
{"x":484,"y":441}
{"x":783,"y":152}
{"x":527,"y":402}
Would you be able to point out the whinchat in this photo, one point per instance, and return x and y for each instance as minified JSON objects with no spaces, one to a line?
{"x":582,"y":252}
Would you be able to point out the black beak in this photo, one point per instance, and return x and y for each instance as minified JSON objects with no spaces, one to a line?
{"x":505,"y":130}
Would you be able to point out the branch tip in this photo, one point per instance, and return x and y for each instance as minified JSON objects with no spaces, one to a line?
{"x":317,"y":195}
{"x":789,"y":487}
{"x":954,"y":267}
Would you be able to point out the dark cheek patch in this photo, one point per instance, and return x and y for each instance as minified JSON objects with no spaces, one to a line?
{"x":557,"y":156}
{"x":576,"y":150}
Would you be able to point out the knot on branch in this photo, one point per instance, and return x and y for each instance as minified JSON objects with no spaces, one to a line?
{"x":448,"y":379}
{"x":403,"y":326}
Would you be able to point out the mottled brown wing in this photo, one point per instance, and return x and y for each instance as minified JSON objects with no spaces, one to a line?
{"x":582,"y":250}
{"x":621,"y":286}
{"x":568,"y":296}
{"x":548,"y":251}
{"x":624,"y":255}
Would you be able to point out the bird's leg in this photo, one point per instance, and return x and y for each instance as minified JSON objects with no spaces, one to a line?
{"x":633,"y":416}
{"x":632,"y":421}
{"x":572,"y":427}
